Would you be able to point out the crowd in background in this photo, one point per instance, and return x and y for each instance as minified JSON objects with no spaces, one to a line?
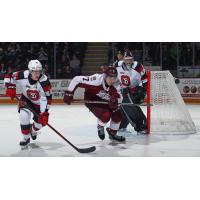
{"x":68,"y":57}
{"x":15,"y":56}
{"x":169,"y":55}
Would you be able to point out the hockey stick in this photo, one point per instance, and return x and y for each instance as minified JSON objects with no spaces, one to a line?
{"x":129,"y":119}
{"x":80,"y":150}
{"x":127,"y":116}
{"x":122,"y":104}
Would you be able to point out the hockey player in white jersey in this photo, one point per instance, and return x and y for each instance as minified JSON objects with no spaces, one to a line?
{"x":133,"y":78}
{"x":35,"y":92}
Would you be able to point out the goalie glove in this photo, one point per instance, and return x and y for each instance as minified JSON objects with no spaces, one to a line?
{"x":138,"y":94}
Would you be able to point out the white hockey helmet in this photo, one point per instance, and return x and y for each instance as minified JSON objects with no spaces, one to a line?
{"x":34,"y":65}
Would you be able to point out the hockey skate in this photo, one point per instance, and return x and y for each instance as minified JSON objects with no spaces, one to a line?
{"x":143,"y":132}
{"x":101,"y":132}
{"x":33,"y":134}
{"x":24,"y":142}
{"x":113,"y":135}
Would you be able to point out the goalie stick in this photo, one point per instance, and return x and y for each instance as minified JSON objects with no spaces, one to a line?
{"x":80,"y":150}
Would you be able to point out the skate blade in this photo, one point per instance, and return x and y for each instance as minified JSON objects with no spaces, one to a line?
{"x":113,"y":141}
{"x":25,"y":147}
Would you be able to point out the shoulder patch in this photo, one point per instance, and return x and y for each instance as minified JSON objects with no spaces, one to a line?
{"x":46,"y":85}
{"x":18,"y":75}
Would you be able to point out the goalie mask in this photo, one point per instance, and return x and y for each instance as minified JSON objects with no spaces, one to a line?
{"x":128,"y":60}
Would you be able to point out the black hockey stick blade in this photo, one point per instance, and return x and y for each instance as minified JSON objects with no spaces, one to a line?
{"x":86,"y":150}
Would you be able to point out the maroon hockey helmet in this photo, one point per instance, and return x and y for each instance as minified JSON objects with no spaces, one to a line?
{"x":111,"y":72}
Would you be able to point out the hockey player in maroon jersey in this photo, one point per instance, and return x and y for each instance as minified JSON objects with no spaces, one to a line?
{"x":101,"y":87}
{"x":133,"y":78}
{"x":35,"y":92}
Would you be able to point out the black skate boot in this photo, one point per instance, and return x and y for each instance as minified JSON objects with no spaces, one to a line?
{"x":33,"y":133}
{"x":24,"y":142}
{"x":101,"y":132}
{"x":141,"y":130}
{"x":113,"y":135}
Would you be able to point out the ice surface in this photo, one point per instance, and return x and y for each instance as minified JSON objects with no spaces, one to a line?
{"x":78,"y":125}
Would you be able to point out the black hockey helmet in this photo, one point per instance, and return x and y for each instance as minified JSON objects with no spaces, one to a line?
{"x":128,"y":55}
{"x":111,"y":72}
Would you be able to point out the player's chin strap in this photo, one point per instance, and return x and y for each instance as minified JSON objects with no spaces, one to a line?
{"x":80,"y":150}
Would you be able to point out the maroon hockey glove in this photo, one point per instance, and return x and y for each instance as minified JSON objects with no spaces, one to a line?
{"x":44,"y":118}
{"x":68,"y":97}
{"x":113,"y":103}
{"x":11,"y":91}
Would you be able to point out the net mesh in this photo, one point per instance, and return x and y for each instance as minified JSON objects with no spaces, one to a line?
{"x":169,"y":114}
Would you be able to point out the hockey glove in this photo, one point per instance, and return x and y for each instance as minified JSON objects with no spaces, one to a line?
{"x":113,"y":103}
{"x":44,"y":118}
{"x":68,"y":97}
{"x":138,"y":95}
{"x":11,"y":91}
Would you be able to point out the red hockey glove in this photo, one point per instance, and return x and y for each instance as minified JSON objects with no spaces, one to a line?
{"x":11,"y":91}
{"x":68,"y":97}
{"x":113,"y":103}
{"x":44,"y":118}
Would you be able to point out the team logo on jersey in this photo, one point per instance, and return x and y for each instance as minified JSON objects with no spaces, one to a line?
{"x":125,"y":80}
{"x":33,"y":95}
{"x":103,"y":95}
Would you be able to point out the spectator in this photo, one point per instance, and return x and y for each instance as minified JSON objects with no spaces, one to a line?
{"x":43,"y":56}
{"x":46,"y":71}
{"x":65,"y":56}
{"x":1,"y":54}
{"x":59,"y":73}
{"x":2,"y":71}
{"x":67,"y":72}
{"x":75,"y":65}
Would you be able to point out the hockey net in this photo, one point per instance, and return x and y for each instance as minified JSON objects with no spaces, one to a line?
{"x":166,"y":110}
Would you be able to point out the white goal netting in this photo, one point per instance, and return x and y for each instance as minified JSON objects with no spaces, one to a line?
{"x":168,"y":114}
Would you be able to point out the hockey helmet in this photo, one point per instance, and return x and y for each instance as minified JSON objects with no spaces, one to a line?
{"x":111,"y":72}
{"x":128,"y":59}
{"x":34,"y":65}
